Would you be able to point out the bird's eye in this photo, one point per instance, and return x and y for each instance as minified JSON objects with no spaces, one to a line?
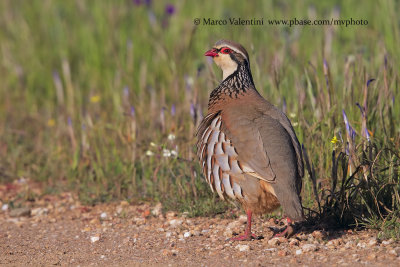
{"x":226,"y":51}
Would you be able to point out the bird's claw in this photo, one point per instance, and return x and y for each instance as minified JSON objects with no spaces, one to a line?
{"x":288,"y":231}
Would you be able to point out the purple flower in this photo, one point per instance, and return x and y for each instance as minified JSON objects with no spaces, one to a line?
{"x":137,"y":2}
{"x":346,"y":122}
{"x":192,"y":111}
{"x":367,"y":135}
{"x":350,"y":131}
{"x":340,"y":135}
{"x":170,"y":9}
{"x":152,"y":18}
{"x":56,"y":76}
{"x":370,"y":81}
{"x":325,"y":64}
{"x":284,"y":106}
{"x":126,"y":91}
{"x":147,"y":2}
{"x":132,"y":111}
{"x":69,"y":121}
{"x":361,"y":109}
{"x":173,"y":110}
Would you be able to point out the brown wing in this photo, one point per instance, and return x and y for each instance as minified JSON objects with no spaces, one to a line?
{"x":269,"y":148}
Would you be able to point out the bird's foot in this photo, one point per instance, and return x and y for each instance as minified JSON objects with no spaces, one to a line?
{"x":288,"y":231}
{"x":244,"y":237}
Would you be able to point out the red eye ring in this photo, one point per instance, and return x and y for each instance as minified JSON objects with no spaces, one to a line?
{"x":226,"y":51}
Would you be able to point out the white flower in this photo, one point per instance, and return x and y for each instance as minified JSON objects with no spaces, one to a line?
{"x":174,"y":153}
{"x":171,"y":137}
{"x":295,"y":124}
{"x":292,"y":115}
{"x":149,"y":153}
{"x":166,"y":153}
{"x":153,"y":144}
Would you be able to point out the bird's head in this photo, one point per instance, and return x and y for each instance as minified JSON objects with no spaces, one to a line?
{"x":229,"y":55}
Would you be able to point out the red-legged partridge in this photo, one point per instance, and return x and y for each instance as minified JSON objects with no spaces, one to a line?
{"x":246,"y":146}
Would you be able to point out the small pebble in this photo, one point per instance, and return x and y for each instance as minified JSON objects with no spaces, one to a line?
{"x":175,"y":222}
{"x":94,"y":239}
{"x":103,"y":215}
{"x":274,"y":241}
{"x":282,"y":253}
{"x":361,"y":245}
{"x":243,"y":247}
{"x":387,"y":242}
{"x":349,"y":244}
{"x":299,"y":251}
{"x":395,"y":251}
{"x":186,"y":234}
{"x":372,"y":242}
{"x":309,"y":247}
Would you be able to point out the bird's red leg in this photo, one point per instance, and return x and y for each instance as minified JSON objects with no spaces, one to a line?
{"x":288,"y":231}
{"x":247,"y":234}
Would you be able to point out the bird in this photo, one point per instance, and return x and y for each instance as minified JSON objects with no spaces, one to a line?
{"x":247,"y":147}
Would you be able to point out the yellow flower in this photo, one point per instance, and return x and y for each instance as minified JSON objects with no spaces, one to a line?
{"x":95,"y":99}
{"x":51,"y":122}
{"x":334,"y":140}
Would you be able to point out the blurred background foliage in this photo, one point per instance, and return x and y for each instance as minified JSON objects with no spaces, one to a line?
{"x":103,"y":98}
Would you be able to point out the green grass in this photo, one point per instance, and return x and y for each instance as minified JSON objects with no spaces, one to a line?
{"x":87,"y":90}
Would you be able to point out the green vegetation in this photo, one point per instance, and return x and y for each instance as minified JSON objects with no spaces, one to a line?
{"x":98,"y":96}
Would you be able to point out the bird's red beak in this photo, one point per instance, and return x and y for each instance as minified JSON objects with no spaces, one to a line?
{"x":211,"y":53}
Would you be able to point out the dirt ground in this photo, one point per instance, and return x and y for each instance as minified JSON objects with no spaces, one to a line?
{"x":58,"y":230}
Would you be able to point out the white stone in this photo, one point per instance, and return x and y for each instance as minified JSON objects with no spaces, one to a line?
{"x":299,"y":251}
{"x":228,"y":232}
{"x":94,"y":239}
{"x":39,"y":211}
{"x":361,"y":245}
{"x":387,"y":242}
{"x":103,"y":215}
{"x":186,"y":234}
{"x":309,"y":247}
{"x":175,"y":222}
{"x":4,"y":207}
{"x":243,"y":247}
